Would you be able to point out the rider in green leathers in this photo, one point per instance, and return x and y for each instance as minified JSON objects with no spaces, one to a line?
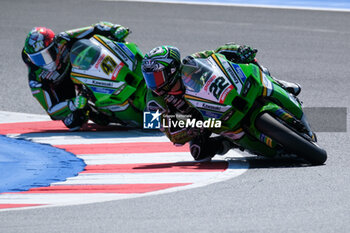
{"x":162,"y":72}
{"x":47,"y":58}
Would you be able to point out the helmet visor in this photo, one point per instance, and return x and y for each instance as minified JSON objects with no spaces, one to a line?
{"x":154,"y":80}
{"x":45,"y":57}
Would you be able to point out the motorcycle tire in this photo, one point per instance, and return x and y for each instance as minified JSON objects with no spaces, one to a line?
{"x":290,"y":140}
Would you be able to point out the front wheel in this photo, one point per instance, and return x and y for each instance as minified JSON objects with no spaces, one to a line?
{"x":291,"y":141}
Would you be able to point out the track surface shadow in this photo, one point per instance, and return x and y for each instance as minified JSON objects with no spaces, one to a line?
{"x":257,"y":162}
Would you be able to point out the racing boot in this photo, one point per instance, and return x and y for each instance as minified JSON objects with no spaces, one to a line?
{"x":226,"y":145}
{"x":204,"y":151}
{"x":200,"y":152}
{"x":203,"y":148}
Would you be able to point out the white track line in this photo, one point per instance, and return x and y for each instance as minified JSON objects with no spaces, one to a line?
{"x":138,"y":178}
{"x":60,"y":198}
{"x":168,"y":157}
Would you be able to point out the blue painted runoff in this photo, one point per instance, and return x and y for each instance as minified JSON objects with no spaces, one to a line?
{"x":25,"y":164}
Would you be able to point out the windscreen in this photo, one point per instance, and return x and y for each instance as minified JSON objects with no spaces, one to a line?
{"x":84,"y":54}
{"x":196,"y":73}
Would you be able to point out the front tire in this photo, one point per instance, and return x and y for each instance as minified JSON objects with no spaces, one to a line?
{"x":291,"y":141}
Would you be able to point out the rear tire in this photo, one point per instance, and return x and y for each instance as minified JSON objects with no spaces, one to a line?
{"x":291,"y":141}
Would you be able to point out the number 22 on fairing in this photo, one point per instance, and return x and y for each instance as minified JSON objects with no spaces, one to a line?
{"x":218,"y":86}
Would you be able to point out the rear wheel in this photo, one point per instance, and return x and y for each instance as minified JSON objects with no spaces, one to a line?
{"x":291,"y":141}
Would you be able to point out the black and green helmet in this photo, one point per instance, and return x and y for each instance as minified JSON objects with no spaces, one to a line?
{"x":161,"y":68}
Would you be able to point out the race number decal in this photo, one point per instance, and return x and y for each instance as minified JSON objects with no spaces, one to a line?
{"x":218,"y":86}
{"x":108,"y":65}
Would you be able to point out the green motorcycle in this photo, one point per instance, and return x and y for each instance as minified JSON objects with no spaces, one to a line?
{"x":256,"y":113}
{"x":109,"y":74}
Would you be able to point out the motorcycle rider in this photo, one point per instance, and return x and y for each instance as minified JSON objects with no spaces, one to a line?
{"x":47,"y":58}
{"x":161,"y":68}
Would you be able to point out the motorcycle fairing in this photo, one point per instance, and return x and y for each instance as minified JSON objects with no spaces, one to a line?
{"x":120,"y":50}
{"x":106,"y":66}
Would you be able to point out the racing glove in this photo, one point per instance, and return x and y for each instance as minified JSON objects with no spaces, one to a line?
{"x":118,"y":32}
{"x":121,"y":33}
{"x":246,"y":53}
{"x":61,"y":39}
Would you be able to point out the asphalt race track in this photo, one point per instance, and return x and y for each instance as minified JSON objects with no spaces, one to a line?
{"x":308,"y":47}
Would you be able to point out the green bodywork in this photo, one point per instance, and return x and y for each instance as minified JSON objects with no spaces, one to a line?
{"x":237,"y":94}
{"x":111,"y":73}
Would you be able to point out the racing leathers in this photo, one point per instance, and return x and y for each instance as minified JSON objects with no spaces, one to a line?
{"x":54,"y":90}
{"x":174,"y":107}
